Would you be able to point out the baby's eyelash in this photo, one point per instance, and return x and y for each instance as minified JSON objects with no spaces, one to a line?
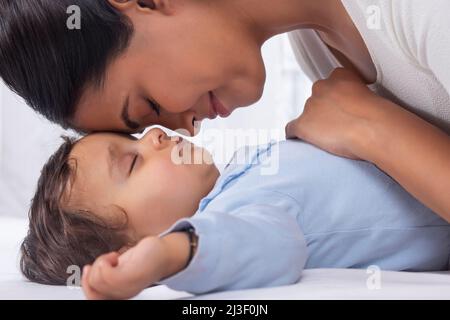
{"x":133,"y":164}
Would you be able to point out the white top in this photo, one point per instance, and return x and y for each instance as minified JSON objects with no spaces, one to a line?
{"x":409,"y":42}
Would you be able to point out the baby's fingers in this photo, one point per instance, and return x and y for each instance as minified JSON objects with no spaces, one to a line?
{"x":102,"y":274}
{"x":110,"y":259}
{"x":89,"y":292}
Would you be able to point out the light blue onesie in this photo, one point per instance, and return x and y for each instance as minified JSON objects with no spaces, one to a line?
{"x":259,"y":229}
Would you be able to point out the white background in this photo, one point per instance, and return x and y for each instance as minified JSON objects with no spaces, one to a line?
{"x":27,"y":140}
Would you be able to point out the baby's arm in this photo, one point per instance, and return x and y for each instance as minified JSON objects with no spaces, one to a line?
{"x":257,"y":245}
{"x":115,"y":276}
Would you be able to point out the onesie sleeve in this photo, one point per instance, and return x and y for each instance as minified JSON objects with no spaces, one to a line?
{"x":257,"y":245}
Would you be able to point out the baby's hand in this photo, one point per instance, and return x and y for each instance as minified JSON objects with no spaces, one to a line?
{"x":115,"y":276}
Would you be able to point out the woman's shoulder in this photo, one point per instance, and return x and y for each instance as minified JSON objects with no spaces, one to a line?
{"x":404,"y":19}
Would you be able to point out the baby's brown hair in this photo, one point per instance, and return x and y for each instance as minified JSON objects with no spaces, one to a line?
{"x":59,"y":235}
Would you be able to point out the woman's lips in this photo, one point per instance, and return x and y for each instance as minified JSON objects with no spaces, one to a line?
{"x":217,"y":107}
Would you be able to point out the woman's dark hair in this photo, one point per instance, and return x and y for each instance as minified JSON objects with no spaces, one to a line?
{"x":59,"y":235}
{"x":47,"y":63}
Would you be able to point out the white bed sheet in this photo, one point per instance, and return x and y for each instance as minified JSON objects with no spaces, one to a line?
{"x":315,"y":283}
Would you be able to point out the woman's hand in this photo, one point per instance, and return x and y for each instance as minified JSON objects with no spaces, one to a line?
{"x":345,"y":118}
{"x":336,"y":116}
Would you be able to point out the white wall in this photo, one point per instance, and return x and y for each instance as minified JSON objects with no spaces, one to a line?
{"x":27,"y":140}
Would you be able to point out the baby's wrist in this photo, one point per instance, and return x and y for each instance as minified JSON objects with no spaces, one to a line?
{"x":178,"y":247}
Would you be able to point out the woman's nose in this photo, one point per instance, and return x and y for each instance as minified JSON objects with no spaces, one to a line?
{"x":185,"y":123}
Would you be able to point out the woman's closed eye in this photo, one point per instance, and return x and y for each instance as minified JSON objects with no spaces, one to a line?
{"x":154,"y":106}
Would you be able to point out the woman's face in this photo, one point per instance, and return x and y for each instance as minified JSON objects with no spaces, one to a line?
{"x":186,"y":58}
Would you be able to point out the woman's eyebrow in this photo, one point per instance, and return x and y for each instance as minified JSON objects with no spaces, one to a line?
{"x":133,"y":125}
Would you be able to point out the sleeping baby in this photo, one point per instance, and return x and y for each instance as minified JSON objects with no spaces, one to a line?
{"x":132,"y":217}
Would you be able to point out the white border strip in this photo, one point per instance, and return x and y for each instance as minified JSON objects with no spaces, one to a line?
{"x":2,"y":90}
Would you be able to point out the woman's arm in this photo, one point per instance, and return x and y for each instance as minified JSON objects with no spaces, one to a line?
{"x":345,"y":118}
{"x":413,"y":152}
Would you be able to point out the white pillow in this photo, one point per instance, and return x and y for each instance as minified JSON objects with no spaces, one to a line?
{"x":12,"y":233}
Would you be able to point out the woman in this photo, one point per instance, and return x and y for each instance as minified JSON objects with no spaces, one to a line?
{"x":133,"y":63}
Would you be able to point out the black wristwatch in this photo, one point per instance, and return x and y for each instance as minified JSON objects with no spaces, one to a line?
{"x":193,"y":241}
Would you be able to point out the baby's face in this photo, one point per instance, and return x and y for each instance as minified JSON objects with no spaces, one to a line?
{"x":142,"y":177}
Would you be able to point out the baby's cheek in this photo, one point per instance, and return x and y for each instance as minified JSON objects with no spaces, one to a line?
{"x":171,"y":171}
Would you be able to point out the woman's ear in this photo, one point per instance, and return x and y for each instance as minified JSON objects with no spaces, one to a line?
{"x":122,"y":5}
{"x":163,"y":6}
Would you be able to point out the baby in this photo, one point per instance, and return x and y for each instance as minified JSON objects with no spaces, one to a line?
{"x":134,"y":217}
